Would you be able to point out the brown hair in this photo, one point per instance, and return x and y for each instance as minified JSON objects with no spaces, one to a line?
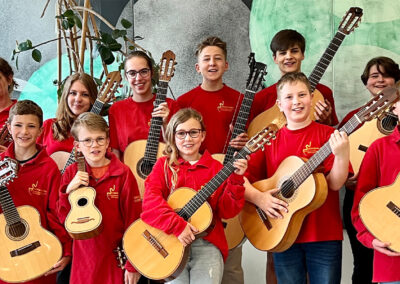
{"x":286,"y":39}
{"x":391,"y":68}
{"x":291,"y":78}
{"x":64,"y":116}
{"x":26,"y":107}
{"x":142,"y":54}
{"x":90,"y":121}
{"x":212,"y":41}
{"x":7,"y":71}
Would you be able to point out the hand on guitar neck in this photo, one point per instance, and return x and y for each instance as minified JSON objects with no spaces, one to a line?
{"x":239,"y":141}
{"x":162,"y":111}
{"x":187,"y":235}
{"x":80,"y":179}
{"x":323,"y":112}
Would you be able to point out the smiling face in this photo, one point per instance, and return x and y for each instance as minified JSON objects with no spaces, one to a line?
{"x":289,"y":60}
{"x":78,"y":98}
{"x":25,"y":129}
{"x":211,"y":64}
{"x":189,"y":147}
{"x":140,"y":85}
{"x":94,"y":154}
{"x":378,"y":80}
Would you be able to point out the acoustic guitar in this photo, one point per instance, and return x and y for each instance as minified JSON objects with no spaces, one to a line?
{"x":380,"y":212}
{"x":158,"y":255}
{"x":27,"y":250}
{"x":273,"y":114}
{"x":5,"y":136}
{"x":106,"y":94}
{"x":84,"y":220}
{"x":300,"y":187}
{"x":233,"y":231}
{"x":141,"y":155}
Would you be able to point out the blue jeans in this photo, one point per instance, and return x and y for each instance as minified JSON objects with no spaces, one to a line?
{"x":205,"y":265}
{"x":321,"y":260}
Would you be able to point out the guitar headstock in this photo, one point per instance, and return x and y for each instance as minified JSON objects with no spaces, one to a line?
{"x":378,"y":104}
{"x":257,"y":72}
{"x":351,"y":20}
{"x":8,"y":170}
{"x":109,"y":87}
{"x":261,"y":138}
{"x":167,"y":66}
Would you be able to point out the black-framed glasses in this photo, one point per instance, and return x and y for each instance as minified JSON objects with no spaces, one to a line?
{"x":194,"y":133}
{"x":142,"y":72}
{"x":101,"y":141}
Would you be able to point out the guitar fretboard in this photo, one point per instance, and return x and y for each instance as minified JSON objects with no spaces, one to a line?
{"x":7,"y":204}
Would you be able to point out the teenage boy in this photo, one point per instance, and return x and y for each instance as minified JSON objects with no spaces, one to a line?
{"x":318,"y":247}
{"x":117,"y":198}
{"x":288,"y":47}
{"x":218,"y":105}
{"x":38,"y":177}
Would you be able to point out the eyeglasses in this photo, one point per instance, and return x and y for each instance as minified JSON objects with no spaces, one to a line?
{"x":101,"y":141}
{"x":143,"y":73}
{"x":194,"y":133}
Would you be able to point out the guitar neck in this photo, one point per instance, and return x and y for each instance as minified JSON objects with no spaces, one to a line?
{"x":7,"y":204}
{"x":191,"y":207}
{"x":156,"y":123}
{"x":325,"y":59}
{"x":241,"y":122}
{"x":97,"y":106}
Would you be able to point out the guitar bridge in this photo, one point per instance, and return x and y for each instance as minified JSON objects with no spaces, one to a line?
{"x":153,"y":241}
{"x":25,"y":249}
{"x":394,"y":208}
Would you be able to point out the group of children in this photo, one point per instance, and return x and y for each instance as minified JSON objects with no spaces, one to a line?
{"x":196,"y":126}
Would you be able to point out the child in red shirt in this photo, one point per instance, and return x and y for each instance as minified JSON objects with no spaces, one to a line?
{"x":380,"y":167}
{"x":38,"y":177}
{"x":117,"y":198}
{"x":317,"y":250}
{"x":183,"y":165}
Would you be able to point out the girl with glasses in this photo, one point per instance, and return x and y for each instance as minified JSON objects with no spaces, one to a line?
{"x":184,"y":166}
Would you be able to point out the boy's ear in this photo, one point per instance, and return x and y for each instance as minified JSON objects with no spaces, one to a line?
{"x":197,"y":67}
{"x":278,"y":102}
{"x":76,"y":145}
{"x":204,"y":136}
{"x":226,"y":65}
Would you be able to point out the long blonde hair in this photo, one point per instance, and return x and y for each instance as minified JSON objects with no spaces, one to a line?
{"x":171,"y":151}
{"x":64,"y":116}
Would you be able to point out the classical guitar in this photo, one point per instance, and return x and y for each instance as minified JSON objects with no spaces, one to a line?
{"x":380,"y":212}
{"x":5,"y":136}
{"x":273,"y":114}
{"x":300,"y":187}
{"x":158,"y":255}
{"x":27,"y":250}
{"x":84,"y":220}
{"x":233,"y":231}
{"x":141,"y":155}
{"x":106,"y":94}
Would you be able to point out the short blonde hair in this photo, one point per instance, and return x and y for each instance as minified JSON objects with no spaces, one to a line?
{"x":90,"y":121}
{"x":291,"y":78}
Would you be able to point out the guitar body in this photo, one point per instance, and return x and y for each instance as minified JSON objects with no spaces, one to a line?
{"x":232,"y":228}
{"x":162,"y":256}
{"x":84,"y":220}
{"x":41,"y":249}
{"x":133,"y":158}
{"x":283,"y":232}
{"x":274,"y":116}
{"x":379,"y":211}
{"x":61,"y":158}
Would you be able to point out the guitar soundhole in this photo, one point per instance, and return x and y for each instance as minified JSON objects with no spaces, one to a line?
{"x":287,"y":188}
{"x":144,"y":168}
{"x":17,"y":231}
{"x":82,"y":201}
{"x":387,"y":124}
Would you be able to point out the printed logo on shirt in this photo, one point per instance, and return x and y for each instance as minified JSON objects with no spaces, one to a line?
{"x":222,"y":107}
{"x":34,"y":190}
{"x":308,"y":150}
{"x":112,"y":194}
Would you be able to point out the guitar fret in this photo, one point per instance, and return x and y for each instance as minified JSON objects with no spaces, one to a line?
{"x":7,"y":204}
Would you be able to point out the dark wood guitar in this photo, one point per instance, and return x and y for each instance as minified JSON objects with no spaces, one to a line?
{"x":233,"y":231}
{"x":158,"y":255}
{"x":84,"y":220}
{"x":106,"y":94}
{"x":300,"y":187}
{"x":27,"y":250}
{"x":273,"y":114}
{"x":141,"y":155}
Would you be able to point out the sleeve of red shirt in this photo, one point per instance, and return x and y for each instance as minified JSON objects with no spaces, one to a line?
{"x":156,"y":211}
{"x":114,"y":143}
{"x":173,"y":107}
{"x":52,"y":215}
{"x":257,"y":167}
{"x":231,"y":198}
{"x":367,"y":180}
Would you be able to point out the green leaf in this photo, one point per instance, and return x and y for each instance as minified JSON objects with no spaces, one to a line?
{"x":60,"y":17}
{"x":106,"y":38}
{"x":106,"y":54}
{"x":68,"y":13}
{"x":71,"y":22}
{"x":23,"y":46}
{"x":126,"y":24}
{"x":138,"y":38}
{"x":65,"y":24}
{"x":29,"y":43}
{"x":36,"y":55}
{"x":16,"y":62}
{"x":118,"y":33}
{"x":77,"y":21}
{"x":98,"y":81}
{"x":115,"y":46}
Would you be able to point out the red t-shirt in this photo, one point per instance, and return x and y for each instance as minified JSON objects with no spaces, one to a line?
{"x":226,"y":201}
{"x":323,"y":224}
{"x":5,"y":113}
{"x":266,"y":98}
{"x":118,"y":199}
{"x":379,"y":167}
{"x":218,"y":108}
{"x":37,"y":185}
{"x":130,"y":121}
{"x":52,"y":145}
